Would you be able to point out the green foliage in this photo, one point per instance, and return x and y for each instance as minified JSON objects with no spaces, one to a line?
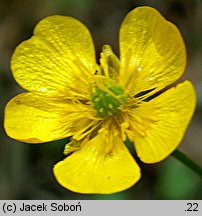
{"x":177,"y":181}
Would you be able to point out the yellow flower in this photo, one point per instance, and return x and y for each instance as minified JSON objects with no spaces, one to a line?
{"x":100,"y":106}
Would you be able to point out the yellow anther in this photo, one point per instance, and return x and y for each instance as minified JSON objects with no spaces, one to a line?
{"x":125,"y":125}
{"x":103,"y":131}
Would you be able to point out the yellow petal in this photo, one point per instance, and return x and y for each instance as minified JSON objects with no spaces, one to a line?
{"x":33,"y":119}
{"x":160,"y":124}
{"x":59,"y":57}
{"x":94,"y":170}
{"x":109,"y":63}
{"x":152,"y":51}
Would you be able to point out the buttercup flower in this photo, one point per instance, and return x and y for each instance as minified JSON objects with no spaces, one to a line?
{"x":101,"y":106}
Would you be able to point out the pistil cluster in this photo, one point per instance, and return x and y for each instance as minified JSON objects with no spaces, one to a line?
{"x":107,"y":99}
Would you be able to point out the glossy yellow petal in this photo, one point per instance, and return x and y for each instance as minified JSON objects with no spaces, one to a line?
{"x":94,"y":170}
{"x":59,"y":57}
{"x":152,"y":51}
{"x":109,"y":63}
{"x":159,"y":125}
{"x":34,"y":119}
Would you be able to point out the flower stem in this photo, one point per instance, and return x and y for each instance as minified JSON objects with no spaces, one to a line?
{"x":188,"y":162}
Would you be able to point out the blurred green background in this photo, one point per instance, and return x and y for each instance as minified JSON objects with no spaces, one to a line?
{"x":26,"y":169}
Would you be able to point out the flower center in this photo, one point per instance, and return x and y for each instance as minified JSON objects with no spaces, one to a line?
{"x":107,"y":100}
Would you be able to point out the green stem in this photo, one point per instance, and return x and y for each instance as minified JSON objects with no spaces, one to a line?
{"x":187,"y":161}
